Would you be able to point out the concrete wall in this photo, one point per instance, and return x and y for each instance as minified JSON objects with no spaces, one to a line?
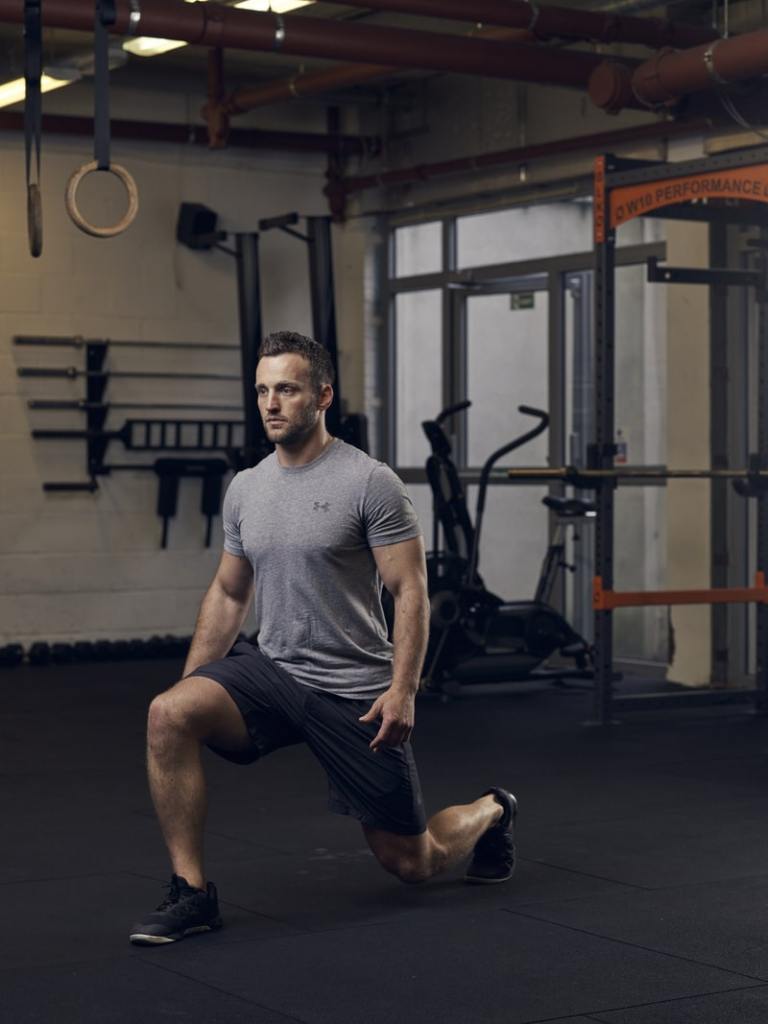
{"x":90,"y":566}
{"x":688,"y":501}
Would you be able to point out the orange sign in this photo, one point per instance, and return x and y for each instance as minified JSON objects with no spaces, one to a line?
{"x":735,"y":183}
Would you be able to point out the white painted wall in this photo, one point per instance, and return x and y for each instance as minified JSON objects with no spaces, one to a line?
{"x":90,"y":566}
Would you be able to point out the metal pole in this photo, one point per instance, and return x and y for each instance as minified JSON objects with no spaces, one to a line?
{"x":603,"y":451}
{"x":323,"y":302}
{"x":249,"y":301}
{"x":761,"y":674}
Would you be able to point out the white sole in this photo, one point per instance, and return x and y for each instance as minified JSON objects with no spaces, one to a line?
{"x":140,"y":939}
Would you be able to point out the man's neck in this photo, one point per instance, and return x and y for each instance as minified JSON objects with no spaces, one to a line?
{"x":306,"y":451}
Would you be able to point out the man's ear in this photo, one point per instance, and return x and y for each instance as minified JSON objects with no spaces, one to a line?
{"x":325,"y":398}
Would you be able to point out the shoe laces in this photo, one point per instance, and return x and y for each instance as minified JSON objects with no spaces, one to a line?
{"x":173,"y":895}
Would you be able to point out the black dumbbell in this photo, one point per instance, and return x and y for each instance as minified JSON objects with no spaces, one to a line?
{"x":136,"y":650}
{"x":154,"y":647}
{"x":120,"y":650}
{"x":83,"y":651}
{"x":39,"y":653}
{"x":62,"y":653}
{"x":11,"y":655}
{"x":102,"y":650}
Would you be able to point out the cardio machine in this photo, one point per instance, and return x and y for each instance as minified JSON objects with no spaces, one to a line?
{"x":476,"y":636}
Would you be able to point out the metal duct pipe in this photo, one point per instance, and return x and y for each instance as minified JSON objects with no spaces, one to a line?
{"x":313,"y":83}
{"x":210,"y":24}
{"x":669,"y":75}
{"x":196,"y":135}
{"x":308,"y":84}
{"x":601,"y":142}
{"x":554,"y":22}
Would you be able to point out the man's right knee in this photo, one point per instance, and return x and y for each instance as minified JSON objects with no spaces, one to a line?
{"x":197,"y":708}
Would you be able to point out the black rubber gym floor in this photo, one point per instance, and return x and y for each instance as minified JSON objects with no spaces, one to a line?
{"x":641,"y":895}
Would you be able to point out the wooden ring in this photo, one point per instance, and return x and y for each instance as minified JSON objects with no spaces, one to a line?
{"x":34,"y":219}
{"x":79,"y":220}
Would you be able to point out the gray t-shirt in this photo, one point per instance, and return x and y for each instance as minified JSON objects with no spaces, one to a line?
{"x":308,"y":533}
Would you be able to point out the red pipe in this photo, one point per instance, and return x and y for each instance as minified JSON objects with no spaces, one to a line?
{"x":669,"y":75}
{"x":210,"y":24}
{"x":602,"y":141}
{"x":304,"y":85}
{"x":554,"y":22}
{"x":184,"y":134}
{"x":314,"y":82}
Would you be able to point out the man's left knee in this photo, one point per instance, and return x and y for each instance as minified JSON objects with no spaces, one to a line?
{"x":411,"y":866}
{"x":412,"y":871}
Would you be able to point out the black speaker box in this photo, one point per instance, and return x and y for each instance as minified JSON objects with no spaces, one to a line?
{"x":196,"y":226}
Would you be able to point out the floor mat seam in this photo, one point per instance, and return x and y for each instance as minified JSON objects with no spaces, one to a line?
{"x":637,"y":945}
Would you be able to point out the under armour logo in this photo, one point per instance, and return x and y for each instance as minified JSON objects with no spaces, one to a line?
{"x":321,"y":506}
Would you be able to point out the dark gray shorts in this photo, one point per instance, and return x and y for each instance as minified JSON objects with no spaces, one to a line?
{"x":380,"y":789}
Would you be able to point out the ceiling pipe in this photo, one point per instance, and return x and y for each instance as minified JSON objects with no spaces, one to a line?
{"x":598,"y":142}
{"x":552,"y":22}
{"x":670,"y":75}
{"x":314,"y":83}
{"x":196,"y":135}
{"x":212,"y":25}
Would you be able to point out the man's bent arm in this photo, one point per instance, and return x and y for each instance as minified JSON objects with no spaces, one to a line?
{"x":403,"y":569}
{"x":222,"y":612}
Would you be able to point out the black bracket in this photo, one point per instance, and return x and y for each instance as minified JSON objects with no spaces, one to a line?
{"x":96,"y":383}
{"x":702,"y":275}
{"x":756,"y":483}
{"x":170,"y":472}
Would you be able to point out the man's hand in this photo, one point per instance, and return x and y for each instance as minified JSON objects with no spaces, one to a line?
{"x":397,"y":712}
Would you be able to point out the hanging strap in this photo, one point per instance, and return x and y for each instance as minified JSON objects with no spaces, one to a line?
{"x":106,"y":16}
{"x":33,"y":119}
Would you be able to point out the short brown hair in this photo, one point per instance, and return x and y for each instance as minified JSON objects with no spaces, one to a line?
{"x":320,"y":366}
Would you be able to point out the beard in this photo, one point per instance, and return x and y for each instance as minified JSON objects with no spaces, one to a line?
{"x":295,"y":431}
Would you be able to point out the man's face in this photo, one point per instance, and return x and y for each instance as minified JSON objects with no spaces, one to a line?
{"x":290,"y":408}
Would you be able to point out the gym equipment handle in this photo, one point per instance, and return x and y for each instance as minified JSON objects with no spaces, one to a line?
{"x":451,"y":410}
{"x":541,"y":426}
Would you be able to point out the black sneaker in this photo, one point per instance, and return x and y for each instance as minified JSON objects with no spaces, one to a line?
{"x":493,"y":859}
{"x":184,"y":911}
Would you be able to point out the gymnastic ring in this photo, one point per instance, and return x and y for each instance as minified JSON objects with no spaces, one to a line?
{"x":34,"y":219}
{"x":79,"y":220}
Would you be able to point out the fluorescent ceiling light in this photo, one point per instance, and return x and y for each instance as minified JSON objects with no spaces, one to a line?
{"x":278,"y":6}
{"x":146,"y":46}
{"x":51,"y":78}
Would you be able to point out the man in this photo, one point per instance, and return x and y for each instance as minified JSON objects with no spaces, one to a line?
{"x":310,"y":534}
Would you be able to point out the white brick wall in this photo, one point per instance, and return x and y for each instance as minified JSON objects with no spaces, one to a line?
{"x":81,"y":566}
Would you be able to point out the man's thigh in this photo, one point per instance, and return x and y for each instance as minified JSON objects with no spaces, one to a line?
{"x":268,"y":701}
{"x":205,"y":708}
{"x":381,"y":789}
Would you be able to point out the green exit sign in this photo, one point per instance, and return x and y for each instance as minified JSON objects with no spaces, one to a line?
{"x":521,"y":300}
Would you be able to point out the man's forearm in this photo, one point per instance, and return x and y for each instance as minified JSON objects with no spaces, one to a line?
{"x":218,"y":624}
{"x":410,"y":637}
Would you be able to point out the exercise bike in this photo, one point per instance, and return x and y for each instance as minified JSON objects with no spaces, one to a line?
{"x":475,"y":636}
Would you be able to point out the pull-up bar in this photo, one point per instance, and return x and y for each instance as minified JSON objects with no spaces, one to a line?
{"x":592,"y":478}
{"x":607,"y":600}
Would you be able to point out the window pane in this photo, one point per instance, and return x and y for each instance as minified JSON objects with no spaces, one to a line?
{"x":506,"y":236}
{"x":418,"y":249}
{"x":513,"y":539}
{"x":507,"y":366}
{"x":418,"y":377}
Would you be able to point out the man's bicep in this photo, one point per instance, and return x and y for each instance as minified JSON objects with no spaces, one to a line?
{"x":401,"y":564}
{"x":235,"y":576}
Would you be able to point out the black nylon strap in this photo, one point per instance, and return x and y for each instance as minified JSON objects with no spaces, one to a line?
{"x":33,"y":67}
{"x":33,"y":119}
{"x":105,"y":16}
